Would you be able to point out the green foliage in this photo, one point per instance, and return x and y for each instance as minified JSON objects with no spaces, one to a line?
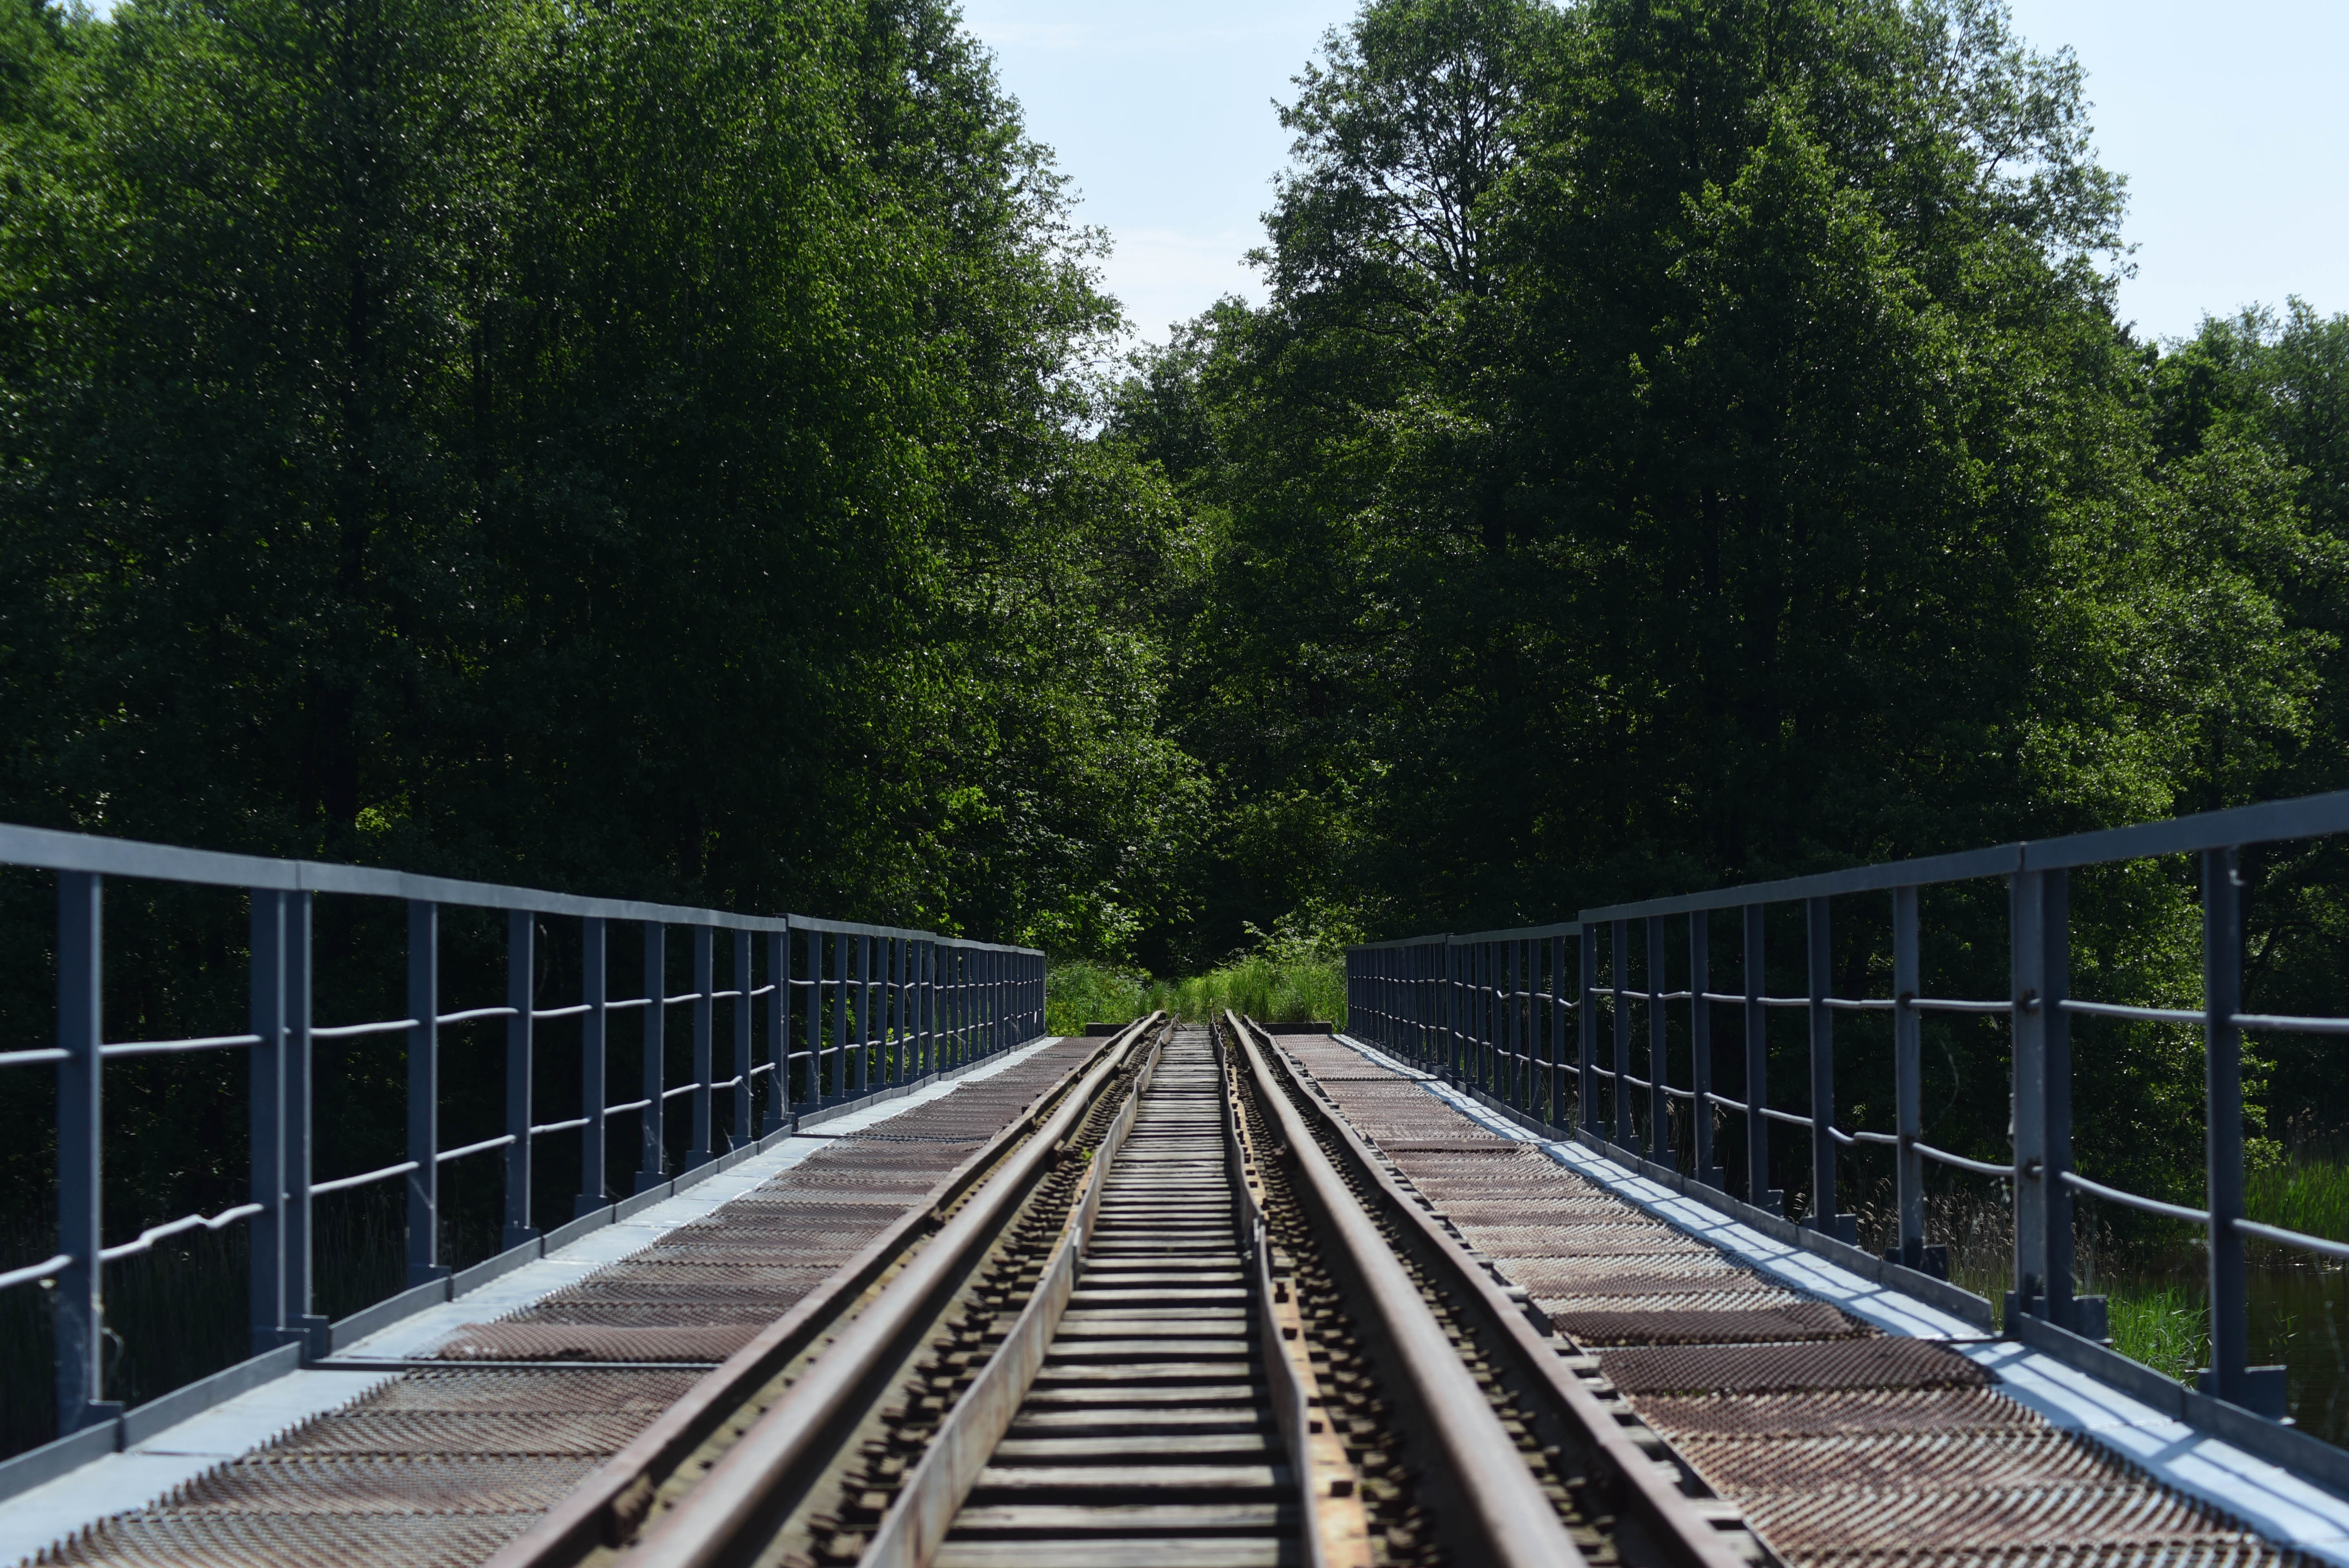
{"x":1266,"y":989}
{"x":1078,"y":992}
{"x":2163,"y":1326}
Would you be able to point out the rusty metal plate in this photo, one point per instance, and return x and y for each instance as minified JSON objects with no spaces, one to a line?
{"x":272,"y":1482}
{"x":1795,"y":1321}
{"x":518,"y":1390}
{"x":1841,"y":1413}
{"x":1850,"y":1520}
{"x":1880,"y":1363}
{"x":293,"y":1540}
{"x":700,"y":1345}
{"x":410,"y":1432}
{"x":1937,"y":1461}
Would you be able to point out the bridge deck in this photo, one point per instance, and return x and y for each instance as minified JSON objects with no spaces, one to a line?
{"x":1840,"y":1440}
{"x":444,"y":1462}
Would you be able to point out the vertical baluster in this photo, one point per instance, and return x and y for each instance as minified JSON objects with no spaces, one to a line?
{"x":80,"y":1302}
{"x":299,"y":1101}
{"x":743,"y":1082}
{"x":2230,"y":1375}
{"x":1758,"y":1191}
{"x":1660,"y":1114}
{"x":424,"y":1264}
{"x":594,"y":1091}
{"x":1700,"y":936}
{"x":779,"y":1031}
{"x":522,"y":996}
{"x":1825,"y":1216}
{"x":1586,"y":942}
{"x":705,"y":1047}
{"x":1559,"y":1017}
{"x":1908,"y":1175}
{"x":652,"y":1159}
{"x":265,"y":1156}
{"x":1627,"y":1131}
{"x":836,"y":1011}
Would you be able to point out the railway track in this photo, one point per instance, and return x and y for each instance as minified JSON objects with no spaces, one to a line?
{"x":1182,"y":1324}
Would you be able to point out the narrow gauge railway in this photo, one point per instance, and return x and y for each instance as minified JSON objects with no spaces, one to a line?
{"x":1181,"y":1325}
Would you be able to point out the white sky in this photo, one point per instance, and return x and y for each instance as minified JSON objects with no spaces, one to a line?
{"x":2230,"y":120}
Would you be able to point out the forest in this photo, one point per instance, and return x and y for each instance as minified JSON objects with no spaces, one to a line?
{"x":682,"y":448}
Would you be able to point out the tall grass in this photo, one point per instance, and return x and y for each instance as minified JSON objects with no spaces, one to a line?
{"x":2307,"y":1189}
{"x":1266,"y":989}
{"x":1078,"y":992}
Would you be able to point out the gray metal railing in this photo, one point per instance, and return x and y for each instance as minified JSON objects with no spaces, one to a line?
{"x":849,"y":1009}
{"x":1493,"y":1011}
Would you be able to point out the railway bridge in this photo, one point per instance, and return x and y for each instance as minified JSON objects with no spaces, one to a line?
{"x":726,"y":1239}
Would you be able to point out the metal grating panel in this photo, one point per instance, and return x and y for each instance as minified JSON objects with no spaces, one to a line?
{"x":1666,"y":1323}
{"x":1836,"y":1414}
{"x":1880,"y":1363}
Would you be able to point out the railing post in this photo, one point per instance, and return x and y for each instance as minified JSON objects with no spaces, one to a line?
{"x":1758,"y":1191}
{"x":1586,"y":947}
{"x":652,"y":1158}
{"x":1908,"y":1070}
{"x":815,"y":945}
{"x":595,"y":1036}
{"x":929,"y":1010}
{"x":265,"y":1295}
{"x":1626,"y":1127}
{"x":1559,"y":1013}
{"x":522,"y":996}
{"x":299,"y":1100}
{"x":778,"y":1029}
{"x":2043,"y":1097}
{"x":80,"y":1303}
{"x":860,"y":957}
{"x":2230,"y":1375}
{"x":424,"y":1264}
{"x":1659,"y":1141}
{"x":1700,"y":936}
{"x":705,"y":1048}
{"x":745,"y":1124}
{"x":1825,"y":1217}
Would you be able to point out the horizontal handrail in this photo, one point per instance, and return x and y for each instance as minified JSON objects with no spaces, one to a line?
{"x":153,"y":1233}
{"x":560,"y":1125}
{"x":169,"y":1048}
{"x":2288,"y":1025}
{"x":2330,"y":1248}
{"x":2123,"y":1010}
{"x":48,"y":849}
{"x":623,"y":1109}
{"x":1959,"y":1162}
{"x":2072,"y":1178}
{"x":1958,"y":1005}
{"x":28,"y":1058}
{"x":486,"y":1144}
{"x":47,"y":1268}
{"x":344,"y":1183}
{"x":471,"y":1014}
{"x":352,"y":1031}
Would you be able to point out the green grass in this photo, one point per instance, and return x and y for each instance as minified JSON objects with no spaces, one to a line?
{"x":1265,"y":989}
{"x":2162,"y":1325}
{"x":1078,"y":993}
{"x":2308,"y":1192}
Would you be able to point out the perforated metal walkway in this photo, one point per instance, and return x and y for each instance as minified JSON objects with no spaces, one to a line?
{"x":1841,"y":1443}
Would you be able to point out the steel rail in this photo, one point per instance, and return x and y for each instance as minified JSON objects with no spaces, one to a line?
{"x":918,"y":1518}
{"x":770,"y":1465}
{"x":604,"y":1511}
{"x":1667,"y":1522}
{"x":1502,"y":1516}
